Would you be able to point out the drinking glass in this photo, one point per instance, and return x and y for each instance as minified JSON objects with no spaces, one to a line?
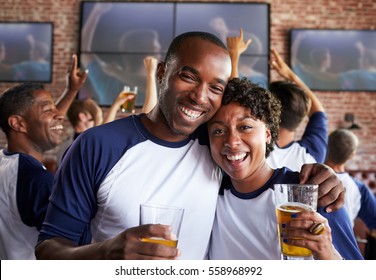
{"x":290,"y":199}
{"x":164,"y":215}
{"x":129,"y":105}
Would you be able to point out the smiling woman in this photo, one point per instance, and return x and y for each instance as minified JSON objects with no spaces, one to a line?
{"x":242,"y":134}
{"x":243,"y":131}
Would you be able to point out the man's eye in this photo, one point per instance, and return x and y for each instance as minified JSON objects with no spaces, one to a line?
{"x":186,"y":77}
{"x":217,"y":90}
{"x":47,"y":109}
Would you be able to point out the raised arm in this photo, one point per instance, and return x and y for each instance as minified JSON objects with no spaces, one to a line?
{"x":74,"y":81}
{"x":151,"y":96}
{"x":115,"y":107}
{"x":236,"y":46}
{"x":285,"y":71}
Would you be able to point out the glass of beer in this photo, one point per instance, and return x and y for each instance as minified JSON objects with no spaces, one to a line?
{"x":290,"y":199}
{"x":129,"y":104}
{"x":164,"y":215}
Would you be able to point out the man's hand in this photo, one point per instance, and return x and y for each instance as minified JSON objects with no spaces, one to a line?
{"x":150,"y":64}
{"x":74,"y":81}
{"x":280,"y":66}
{"x":129,"y":244}
{"x":236,"y":44}
{"x":331,"y":190}
{"x":75,"y":78}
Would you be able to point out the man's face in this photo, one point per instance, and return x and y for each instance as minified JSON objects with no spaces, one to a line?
{"x":44,"y":123}
{"x":192,"y":85}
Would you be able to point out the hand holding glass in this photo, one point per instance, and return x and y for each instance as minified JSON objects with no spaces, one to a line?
{"x":290,"y":199}
{"x":129,"y":105}
{"x":164,"y":215}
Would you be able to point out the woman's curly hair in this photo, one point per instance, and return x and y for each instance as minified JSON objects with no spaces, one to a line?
{"x":263,"y":105}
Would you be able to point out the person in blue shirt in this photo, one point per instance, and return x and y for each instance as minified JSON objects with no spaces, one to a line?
{"x":360,"y":202}
{"x":299,"y":103}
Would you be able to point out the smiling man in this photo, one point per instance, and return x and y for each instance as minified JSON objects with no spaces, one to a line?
{"x":32,"y":125}
{"x":159,"y":158}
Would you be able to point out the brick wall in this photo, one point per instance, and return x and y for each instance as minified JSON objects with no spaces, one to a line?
{"x":285,"y":14}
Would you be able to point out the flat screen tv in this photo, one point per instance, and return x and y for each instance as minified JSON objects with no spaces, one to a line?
{"x":26,"y":51}
{"x":111,"y":32}
{"x":334,"y":60}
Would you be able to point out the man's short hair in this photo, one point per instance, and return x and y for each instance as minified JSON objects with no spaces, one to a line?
{"x":342,"y":144}
{"x":16,"y":101}
{"x":178,"y":40}
{"x":295,"y":103}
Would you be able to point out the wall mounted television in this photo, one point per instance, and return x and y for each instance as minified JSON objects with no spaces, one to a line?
{"x":110,"y":32}
{"x":334,"y":60}
{"x":26,"y":51}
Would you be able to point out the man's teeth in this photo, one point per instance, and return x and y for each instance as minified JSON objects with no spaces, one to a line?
{"x":236,"y":157}
{"x":57,"y":127}
{"x":189,"y":113}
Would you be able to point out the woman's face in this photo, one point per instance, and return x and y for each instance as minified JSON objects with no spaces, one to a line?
{"x":238,"y":141}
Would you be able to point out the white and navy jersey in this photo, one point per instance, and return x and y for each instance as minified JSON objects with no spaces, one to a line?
{"x":245,"y":226}
{"x":25,"y":186}
{"x":310,"y":149}
{"x":111,"y":169}
{"x":359,"y":200}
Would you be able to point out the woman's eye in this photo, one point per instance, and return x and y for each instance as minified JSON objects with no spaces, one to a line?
{"x":217,"y":131}
{"x":245,"y":127}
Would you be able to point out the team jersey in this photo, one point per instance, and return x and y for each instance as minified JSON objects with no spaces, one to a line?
{"x":359,"y":200}
{"x":25,"y":186}
{"x":310,"y":149}
{"x":245,"y":226}
{"x":111,"y":169}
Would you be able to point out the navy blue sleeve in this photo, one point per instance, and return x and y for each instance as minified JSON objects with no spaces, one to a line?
{"x":367,"y":212}
{"x":34,"y":186}
{"x":342,"y":234}
{"x":315,"y":137}
{"x":86,"y":164}
{"x":73,"y":199}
